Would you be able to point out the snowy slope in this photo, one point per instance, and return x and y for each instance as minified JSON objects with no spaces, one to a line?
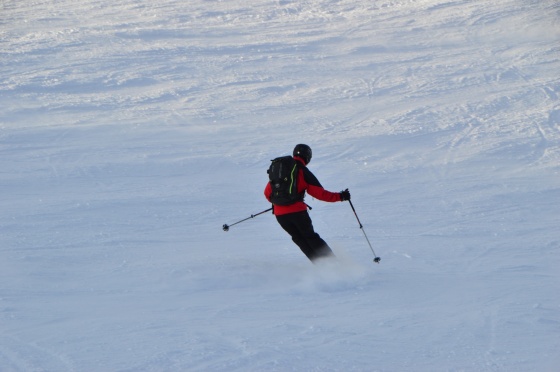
{"x":130,"y":132}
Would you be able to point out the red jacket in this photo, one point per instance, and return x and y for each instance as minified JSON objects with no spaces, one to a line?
{"x":306,"y":182}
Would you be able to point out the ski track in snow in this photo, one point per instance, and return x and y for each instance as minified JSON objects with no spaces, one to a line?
{"x":131,"y":131}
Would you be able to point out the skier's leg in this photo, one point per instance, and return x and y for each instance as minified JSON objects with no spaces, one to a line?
{"x":287,"y":222}
{"x":320,"y":248}
{"x":300,"y":227}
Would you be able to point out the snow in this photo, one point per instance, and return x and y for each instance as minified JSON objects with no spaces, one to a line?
{"x":131,"y":131}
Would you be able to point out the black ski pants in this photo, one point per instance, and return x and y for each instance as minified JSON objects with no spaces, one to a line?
{"x":300,"y":228}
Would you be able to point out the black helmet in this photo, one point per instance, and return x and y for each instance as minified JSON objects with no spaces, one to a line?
{"x":304,"y":152}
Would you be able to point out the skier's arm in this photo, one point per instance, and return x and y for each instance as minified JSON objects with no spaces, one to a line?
{"x":316,"y":190}
{"x":268,"y":191}
{"x":320,"y":193}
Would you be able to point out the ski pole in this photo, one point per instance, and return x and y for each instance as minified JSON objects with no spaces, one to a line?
{"x":226,"y":226}
{"x":376,"y":259}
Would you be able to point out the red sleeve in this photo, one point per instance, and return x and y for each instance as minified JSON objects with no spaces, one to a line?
{"x":268,"y":191}
{"x":320,"y":193}
{"x":315,"y":189}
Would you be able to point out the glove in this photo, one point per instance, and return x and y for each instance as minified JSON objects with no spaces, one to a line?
{"x":345,"y":195}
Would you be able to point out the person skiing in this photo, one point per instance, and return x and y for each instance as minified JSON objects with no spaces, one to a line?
{"x":291,"y":211}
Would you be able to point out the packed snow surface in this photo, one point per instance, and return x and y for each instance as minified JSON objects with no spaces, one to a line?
{"x":131,"y":131}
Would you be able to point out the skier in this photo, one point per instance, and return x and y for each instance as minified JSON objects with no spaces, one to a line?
{"x":292,"y":214}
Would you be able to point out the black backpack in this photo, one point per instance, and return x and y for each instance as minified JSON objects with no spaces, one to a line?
{"x":283,"y":175}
